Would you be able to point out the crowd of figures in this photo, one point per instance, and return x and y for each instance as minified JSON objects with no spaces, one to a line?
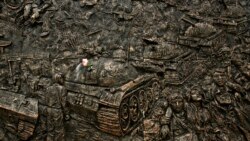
{"x":199,"y":49}
{"x":214,"y":109}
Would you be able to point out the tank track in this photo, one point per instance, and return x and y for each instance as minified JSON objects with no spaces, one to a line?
{"x":134,"y":106}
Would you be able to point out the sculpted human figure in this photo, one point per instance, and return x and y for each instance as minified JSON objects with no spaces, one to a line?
{"x":176,"y":116}
{"x":154,"y":128}
{"x":223,"y":107}
{"x":197,"y":114}
{"x":83,"y":67}
{"x":55,"y":97}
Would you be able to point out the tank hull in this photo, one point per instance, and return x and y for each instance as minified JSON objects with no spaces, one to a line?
{"x":19,"y":114}
{"x":116,"y":111}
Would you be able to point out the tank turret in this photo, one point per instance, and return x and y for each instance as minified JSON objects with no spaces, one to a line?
{"x":105,"y":73}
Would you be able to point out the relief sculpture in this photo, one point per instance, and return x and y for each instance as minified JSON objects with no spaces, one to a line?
{"x":124,"y":70}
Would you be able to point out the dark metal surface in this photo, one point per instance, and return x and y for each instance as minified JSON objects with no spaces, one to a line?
{"x":94,"y":70}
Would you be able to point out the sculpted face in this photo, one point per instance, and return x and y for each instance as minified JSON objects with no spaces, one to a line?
{"x":196,"y":95}
{"x":220,"y":78}
{"x":177,"y":102}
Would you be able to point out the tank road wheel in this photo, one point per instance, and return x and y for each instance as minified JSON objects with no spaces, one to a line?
{"x":134,"y":108}
{"x":143,"y":101}
{"x":124,"y":116}
{"x":150,"y":98}
{"x":156,"y":90}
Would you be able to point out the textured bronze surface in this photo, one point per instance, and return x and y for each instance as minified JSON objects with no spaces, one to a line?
{"x":124,"y":70}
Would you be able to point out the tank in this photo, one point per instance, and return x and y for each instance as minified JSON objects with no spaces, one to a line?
{"x":118,"y":101}
{"x":18,"y":114}
{"x":199,"y":35}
